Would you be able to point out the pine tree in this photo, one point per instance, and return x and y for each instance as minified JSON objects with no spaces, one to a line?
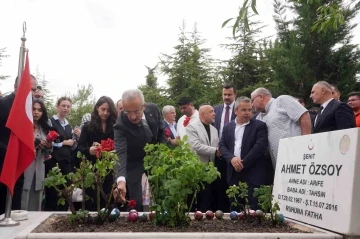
{"x":43,"y":83}
{"x":153,"y":93}
{"x":189,"y":69}
{"x":83,"y":102}
{"x":249,"y":66}
{"x":300,"y":57}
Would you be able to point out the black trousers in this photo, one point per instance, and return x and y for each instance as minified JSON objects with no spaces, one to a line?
{"x":51,"y":195}
{"x":205,"y":198}
{"x":220,"y":199}
{"x":134,"y":189}
{"x":16,"y":199}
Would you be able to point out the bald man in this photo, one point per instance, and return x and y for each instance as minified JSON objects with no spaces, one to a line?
{"x":204,"y":139}
{"x":333,"y":114}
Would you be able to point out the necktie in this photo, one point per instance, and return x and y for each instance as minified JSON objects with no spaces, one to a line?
{"x":318,"y":114}
{"x":226,"y":120}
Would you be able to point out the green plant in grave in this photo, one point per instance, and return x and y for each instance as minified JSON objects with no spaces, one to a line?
{"x":174,"y":175}
{"x":59,"y":181}
{"x":267,"y":203}
{"x":239,"y":192}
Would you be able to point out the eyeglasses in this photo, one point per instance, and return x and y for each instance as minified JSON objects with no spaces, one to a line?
{"x":136,"y":112}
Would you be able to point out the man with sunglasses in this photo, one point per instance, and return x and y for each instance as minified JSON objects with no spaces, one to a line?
{"x":138,"y":124}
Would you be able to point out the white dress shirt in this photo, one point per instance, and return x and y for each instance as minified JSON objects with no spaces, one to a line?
{"x":239,"y":133}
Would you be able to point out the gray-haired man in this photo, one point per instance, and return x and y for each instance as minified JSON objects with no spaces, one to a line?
{"x":284,"y":116}
{"x":140,"y":123}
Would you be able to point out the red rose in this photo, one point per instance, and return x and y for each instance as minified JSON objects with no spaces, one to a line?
{"x":132,"y":203}
{"x":167,"y":132}
{"x":186,"y":121}
{"x":51,"y":136}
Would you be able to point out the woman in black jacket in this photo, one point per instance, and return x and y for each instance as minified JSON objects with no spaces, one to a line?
{"x":99,"y":128}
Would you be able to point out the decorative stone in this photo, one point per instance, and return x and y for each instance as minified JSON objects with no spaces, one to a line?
{"x":152,"y":216}
{"x":209,"y":215}
{"x":116,"y":211}
{"x":198,"y":215}
{"x":241,"y":216}
{"x":133,"y":211}
{"x":234,"y":216}
{"x":113,"y":216}
{"x":252,"y":213}
{"x":143,"y":217}
{"x":133,"y":217}
{"x":280,"y":217}
{"x":259,"y":213}
{"x":219,"y":214}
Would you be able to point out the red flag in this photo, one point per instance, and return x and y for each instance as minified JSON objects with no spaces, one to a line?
{"x":20,"y":151}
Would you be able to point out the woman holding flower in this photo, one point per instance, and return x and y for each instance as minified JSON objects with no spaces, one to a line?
{"x":34,"y":175}
{"x":99,"y":128}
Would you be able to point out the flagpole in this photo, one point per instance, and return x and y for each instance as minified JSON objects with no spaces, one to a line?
{"x":7,"y":221}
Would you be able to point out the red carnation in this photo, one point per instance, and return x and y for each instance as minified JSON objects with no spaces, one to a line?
{"x":51,"y":136}
{"x":132,"y":203}
{"x":186,"y":121}
{"x":167,"y":132}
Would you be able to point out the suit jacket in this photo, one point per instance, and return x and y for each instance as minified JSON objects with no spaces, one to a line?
{"x":253,"y":149}
{"x":198,"y":138}
{"x":218,"y":111}
{"x":130,"y":141}
{"x":6,"y":103}
{"x":166,"y":126}
{"x":336,"y":116}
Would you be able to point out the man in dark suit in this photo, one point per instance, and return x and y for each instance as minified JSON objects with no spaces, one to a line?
{"x":333,"y":114}
{"x":243,"y":146}
{"x":224,"y":113}
{"x":169,"y":123}
{"x":6,"y":103}
{"x":137,"y":125}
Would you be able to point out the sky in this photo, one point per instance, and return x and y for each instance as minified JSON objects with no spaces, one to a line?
{"x":108,"y":43}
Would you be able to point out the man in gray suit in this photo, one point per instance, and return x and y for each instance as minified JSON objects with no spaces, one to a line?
{"x":203,"y":139}
{"x":138,"y":124}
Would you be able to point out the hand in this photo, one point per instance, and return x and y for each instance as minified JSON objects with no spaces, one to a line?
{"x":77,"y":132}
{"x":68,"y":142}
{"x":45,"y":144}
{"x":92,"y":150}
{"x":119,"y":193}
{"x":237,"y":164}
{"x":218,"y":153}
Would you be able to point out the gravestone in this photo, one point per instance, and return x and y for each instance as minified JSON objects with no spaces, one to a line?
{"x":317,"y":180}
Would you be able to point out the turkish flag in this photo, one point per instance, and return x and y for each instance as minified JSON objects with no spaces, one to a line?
{"x":20,"y":151}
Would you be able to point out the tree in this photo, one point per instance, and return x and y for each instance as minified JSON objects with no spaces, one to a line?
{"x":329,"y":15}
{"x":83,"y":102}
{"x":249,"y":65}
{"x":153,"y":93}
{"x":189,"y":70}
{"x":43,"y":82}
{"x":300,"y":57}
{"x":2,"y":56}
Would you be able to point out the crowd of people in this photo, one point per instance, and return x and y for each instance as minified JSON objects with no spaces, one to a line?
{"x":240,"y":136}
